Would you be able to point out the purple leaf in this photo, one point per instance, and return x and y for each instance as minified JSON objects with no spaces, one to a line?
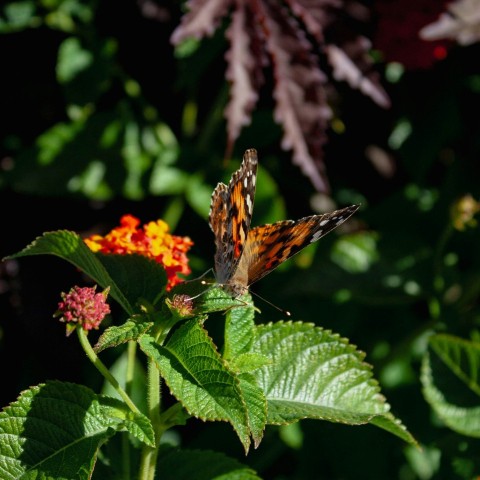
{"x":201,"y":20}
{"x":314,"y":14}
{"x":345,"y":69}
{"x":244,"y":75}
{"x":301,"y":105}
{"x":271,"y":33}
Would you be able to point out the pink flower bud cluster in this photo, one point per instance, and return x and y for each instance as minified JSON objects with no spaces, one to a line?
{"x":84,"y":307}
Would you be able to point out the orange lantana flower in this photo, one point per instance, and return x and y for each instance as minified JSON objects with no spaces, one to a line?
{"x":152,"y":240}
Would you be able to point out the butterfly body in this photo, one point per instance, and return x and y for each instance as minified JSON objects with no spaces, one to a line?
{"x":244,"y":255}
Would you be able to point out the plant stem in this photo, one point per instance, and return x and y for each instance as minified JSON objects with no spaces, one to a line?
{"x":149,"y":454}
{"x":131,"y":356}
{"x":82,"y":336}
{"x":129,"y":374}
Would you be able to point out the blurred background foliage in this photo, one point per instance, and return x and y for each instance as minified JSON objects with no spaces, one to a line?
{"x":103,"y":116}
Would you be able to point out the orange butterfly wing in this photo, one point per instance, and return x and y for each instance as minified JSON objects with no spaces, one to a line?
{"x":270,"y":245}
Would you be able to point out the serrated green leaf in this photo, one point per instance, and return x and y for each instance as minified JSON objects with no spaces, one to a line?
{"x":462,"y":357}
{"x":208,"y":297}
{"x":450,"y":383}
{"x":53,"y":431}
{"x":198,"y":378}
{"x":202,"y":465}
{"x":69,"y":246}
{"x":239,"y":330}
{"x":317,"y":374}
{"x":247,"y":362}
{"x":135,"y":423}
{"x":114,"y":336}
{"x":256,"y":406}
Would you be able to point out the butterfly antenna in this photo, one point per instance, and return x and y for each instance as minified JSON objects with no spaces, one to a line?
{"x":276,"y":307}
{"x":203,"y":282}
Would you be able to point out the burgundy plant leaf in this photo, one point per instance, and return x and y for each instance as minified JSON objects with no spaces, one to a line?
{"x":201,"y":20}
{"x":243,"y":73}
{"x":301,"y":105}
{"x":345,"y":69}
{"x":271,"y":33}
{"x":315,"y":15}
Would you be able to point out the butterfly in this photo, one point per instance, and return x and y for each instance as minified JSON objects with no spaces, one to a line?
{"x":244,"y":255}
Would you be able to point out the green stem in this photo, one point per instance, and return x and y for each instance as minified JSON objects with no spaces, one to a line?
{"x":82,"y":336}
{"x":149,"y":456}
{"x":129,"y":374}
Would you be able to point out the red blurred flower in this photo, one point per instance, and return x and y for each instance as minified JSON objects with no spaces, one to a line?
{"x":151,"y":240}
{"x":397,"y":35}
{"x":82,"y":306}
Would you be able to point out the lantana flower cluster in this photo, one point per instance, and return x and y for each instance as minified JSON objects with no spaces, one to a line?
{"x":152,"y":240}
{"x":83,"y":306}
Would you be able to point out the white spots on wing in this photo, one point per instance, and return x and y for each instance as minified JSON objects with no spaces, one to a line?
{"x":245,"y":182}
{"x":248,"y":199}
{"x":316,"y":236}
{"x":329,"y":223}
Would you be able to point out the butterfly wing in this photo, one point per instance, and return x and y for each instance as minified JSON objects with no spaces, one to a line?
{"x":230,"y":216}
{"x":268,"y":246}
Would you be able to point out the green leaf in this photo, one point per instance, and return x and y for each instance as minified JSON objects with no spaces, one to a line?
{"x":114,"y":336}
{"x":53,"y":431}
{"x":85,"y":71}
{"x":256,"y":406}
{"x":450,"y":382}
{"x":54,"y":141}
{"x":208,"y":297}
{"x":357,"y":252}
{"x":239,"y":330}
{"x":462,"y":357}
{"x":166,"y":180}
{"x":247,"y":362}
{"x":198,"y":378}
{"x":198,"y":195}
{"x":72,"y":59}
{"x":178,"y":464}
{"x":18,"y":16}
{"x":136,"y":424}
{"x":317,"y":374}
{"x":70,"y":247}
{"x":138,"y":277}
{"x":130,"y":277}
